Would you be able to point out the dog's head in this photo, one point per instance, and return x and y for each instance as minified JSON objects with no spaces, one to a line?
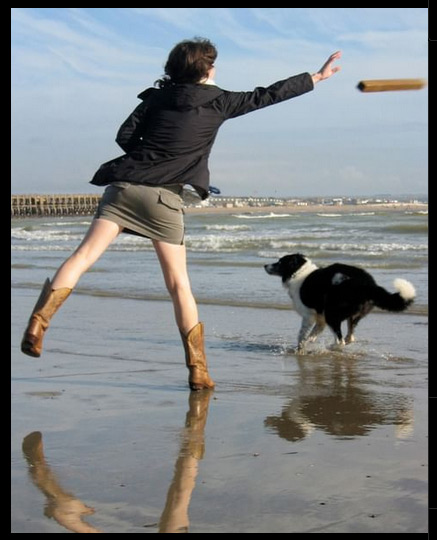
{"x":287,"y":266}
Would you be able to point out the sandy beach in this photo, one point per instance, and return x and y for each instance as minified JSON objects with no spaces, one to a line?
{"x":106,"y":436}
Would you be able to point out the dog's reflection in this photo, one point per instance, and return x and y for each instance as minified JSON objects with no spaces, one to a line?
{"x":69,"y":511}
{"x":333,"y":396}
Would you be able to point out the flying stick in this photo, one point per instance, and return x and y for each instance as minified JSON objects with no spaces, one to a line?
{"x":389,"y":85}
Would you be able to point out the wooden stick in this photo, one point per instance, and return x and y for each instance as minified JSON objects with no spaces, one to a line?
{"x":388,"y":85}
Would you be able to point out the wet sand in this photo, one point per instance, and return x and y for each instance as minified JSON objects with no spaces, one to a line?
{"x":106,"y":436}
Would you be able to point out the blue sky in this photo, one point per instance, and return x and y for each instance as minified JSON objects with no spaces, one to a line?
{"x":76,"y":73}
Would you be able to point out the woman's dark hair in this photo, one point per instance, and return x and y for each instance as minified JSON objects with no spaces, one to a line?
{"x":188,"y":62}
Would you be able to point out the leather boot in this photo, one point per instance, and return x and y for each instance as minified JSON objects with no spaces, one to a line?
{"x":195,"y":358}
{"x":46,"y":306}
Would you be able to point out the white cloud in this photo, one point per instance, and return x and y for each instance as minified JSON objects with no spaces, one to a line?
{"x":87,"y":49}
{"x":412,"y":42}
{"x":182,"y":18}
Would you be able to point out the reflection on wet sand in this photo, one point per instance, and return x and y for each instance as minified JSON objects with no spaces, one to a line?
{"x":68,"y":510}
{"x":332,"y":395}
{"x":174,"y":518}
{"x":61,"y":505}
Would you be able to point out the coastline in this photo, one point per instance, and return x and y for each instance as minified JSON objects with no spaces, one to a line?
{"x":311,"y":208}
{"x":26,"y":206}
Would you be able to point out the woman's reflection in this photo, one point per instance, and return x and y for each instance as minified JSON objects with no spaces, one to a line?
{"x":333,"y":396}
{"x":174,"y":518}
{"x":68,"y":511}
{"x":61,"y":505}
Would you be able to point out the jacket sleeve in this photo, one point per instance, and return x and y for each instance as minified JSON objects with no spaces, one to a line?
{"x":239,"y":103}
{"x":129,"y":134}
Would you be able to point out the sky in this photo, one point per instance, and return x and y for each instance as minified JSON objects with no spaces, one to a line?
{"x":76,"y":74}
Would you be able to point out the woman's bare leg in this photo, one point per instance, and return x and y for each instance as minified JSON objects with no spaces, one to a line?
{"x":173,"y":262}
{"x":99,"y":236}
{"x":174,"y":267}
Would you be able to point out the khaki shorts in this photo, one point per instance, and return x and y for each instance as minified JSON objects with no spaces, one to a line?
{"x":154,"y":212}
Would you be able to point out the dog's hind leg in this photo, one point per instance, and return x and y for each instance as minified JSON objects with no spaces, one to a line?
{"x":353,"y":320}
{"x":335,"y":326}
{"x":351,"y":325}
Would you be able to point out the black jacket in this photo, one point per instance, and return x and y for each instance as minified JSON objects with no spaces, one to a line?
{"x":169,"y":136}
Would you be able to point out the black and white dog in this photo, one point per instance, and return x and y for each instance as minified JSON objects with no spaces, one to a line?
{"x":335,"y":293}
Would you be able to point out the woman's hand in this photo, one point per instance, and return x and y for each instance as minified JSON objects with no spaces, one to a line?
{"x":327,"y":70}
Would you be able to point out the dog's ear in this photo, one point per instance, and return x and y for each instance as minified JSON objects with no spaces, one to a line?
{"x":298,"y":259}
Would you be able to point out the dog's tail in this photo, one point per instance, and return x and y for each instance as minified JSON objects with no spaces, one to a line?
{"x":397,"y":301}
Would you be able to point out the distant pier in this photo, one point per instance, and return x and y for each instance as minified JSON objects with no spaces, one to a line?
{"x":53,"y":205}
{"x":35,"y":205}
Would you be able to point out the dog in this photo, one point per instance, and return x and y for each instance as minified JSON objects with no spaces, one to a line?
{"x":333,"y":294}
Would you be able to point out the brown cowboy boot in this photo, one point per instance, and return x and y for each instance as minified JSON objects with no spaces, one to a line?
{"x":195,"y":359}
{"x":46,"y":306}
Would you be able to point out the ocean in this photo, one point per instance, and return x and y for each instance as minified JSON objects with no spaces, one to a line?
{"x":227,"y":252}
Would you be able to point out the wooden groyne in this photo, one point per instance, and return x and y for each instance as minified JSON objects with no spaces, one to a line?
{"x":53,"y":205}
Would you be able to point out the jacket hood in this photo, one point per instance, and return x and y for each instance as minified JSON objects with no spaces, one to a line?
{"x":183,"y":96}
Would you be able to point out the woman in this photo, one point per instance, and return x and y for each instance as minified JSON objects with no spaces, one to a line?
{"x":167,"y":140}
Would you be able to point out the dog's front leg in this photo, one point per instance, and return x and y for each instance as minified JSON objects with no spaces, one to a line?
{"x":304,"y":333}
